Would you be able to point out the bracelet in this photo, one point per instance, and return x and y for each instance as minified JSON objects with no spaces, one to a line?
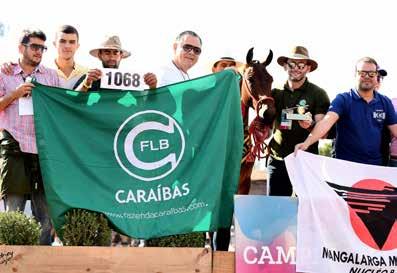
{"x":85,"y":85}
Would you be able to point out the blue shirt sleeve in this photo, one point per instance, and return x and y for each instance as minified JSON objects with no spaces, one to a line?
{"x":391,"y":116}
{"x":338,"y":105}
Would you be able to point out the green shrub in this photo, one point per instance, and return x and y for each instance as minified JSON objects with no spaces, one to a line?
{"x":85,"y":228}
{"x":325,"y":147}
{"x":196,"y":239}
{"x":18,"y":229}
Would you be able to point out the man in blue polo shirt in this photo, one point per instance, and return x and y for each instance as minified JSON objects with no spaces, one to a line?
{"x":360,"y":115}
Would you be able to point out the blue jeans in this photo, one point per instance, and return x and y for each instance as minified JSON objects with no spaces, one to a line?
{"x":14,"y":202}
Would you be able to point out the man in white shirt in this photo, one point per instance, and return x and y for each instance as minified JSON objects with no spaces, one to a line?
{"x":187,"y":50}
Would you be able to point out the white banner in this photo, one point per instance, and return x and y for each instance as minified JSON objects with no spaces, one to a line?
{"x":346,"y":215}
{"x":122,"y":80}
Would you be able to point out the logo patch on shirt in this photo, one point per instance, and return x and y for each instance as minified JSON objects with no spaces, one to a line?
{"x":379,"y":115}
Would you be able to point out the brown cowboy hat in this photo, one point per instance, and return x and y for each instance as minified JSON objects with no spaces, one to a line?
{"x":111,"y":42}
{"x":298,"y":53}
{"x":230,"y":59}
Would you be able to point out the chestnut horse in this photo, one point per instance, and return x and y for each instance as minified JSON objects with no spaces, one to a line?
{"x":256,"y":86}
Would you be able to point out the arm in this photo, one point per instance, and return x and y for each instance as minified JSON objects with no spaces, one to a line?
{"x":92,"y":75}
{"x":320,"y":108}
{"x":23,"y":90}
{"x":151,"y":80}
{"x":321,"y":128}
{"x":393,"y":129}
{"x":7,"y":68}
{"x":309,"y":124}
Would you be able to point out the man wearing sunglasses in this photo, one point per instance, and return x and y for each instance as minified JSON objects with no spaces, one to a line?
{"x":187,"y":50}
{"x":360,"y":116}
{"x":20,"y":176}
{"x":66,"y":43}
{"x":301,"y":97}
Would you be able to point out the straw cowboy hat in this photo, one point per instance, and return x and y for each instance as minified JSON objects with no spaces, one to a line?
{"x":230,"y":59}
{"x":298,"y":53}
{"x":111,"y":42}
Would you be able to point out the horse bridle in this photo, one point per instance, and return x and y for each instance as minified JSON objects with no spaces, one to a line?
{"x":256,"y":103}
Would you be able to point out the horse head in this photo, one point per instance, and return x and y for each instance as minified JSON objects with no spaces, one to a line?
{"x":256,"y":87}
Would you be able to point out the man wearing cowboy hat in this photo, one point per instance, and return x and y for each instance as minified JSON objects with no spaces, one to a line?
{"x":110,"y":53}
{"x":220,"y":239}
{"x":225,"y":62}
{"x":297,"y":96}
{"x":360,"y":114}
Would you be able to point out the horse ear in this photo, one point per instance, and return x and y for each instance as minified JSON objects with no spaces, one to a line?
{"x":269,"y":58}
{"x":250,"y":55}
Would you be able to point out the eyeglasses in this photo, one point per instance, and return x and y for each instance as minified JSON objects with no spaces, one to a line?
{"x":364,"y":73}
{"x":36,"y":47}
{"x":299,"y":65}
{"x":188,"y":48}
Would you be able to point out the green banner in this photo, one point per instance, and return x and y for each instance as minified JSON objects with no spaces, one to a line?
{"x":156,"y":163}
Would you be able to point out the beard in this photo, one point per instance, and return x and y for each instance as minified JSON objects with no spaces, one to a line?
{"x":296,"y":78}
{"x":366,"y":87}
{"x":111,"y":65}
{"x":30,"y":61}
{"x":33,"y":63}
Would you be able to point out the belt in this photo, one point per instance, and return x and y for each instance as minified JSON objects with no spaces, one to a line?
{"x":393,"y":157}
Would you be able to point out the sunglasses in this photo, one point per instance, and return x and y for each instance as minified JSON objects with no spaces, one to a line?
{"x":188,"y":48}
{"x":36,"y":47}
{"x":299,"y":65}
{"x":364,"y":73}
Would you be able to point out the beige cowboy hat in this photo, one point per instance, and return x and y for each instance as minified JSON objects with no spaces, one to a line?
{"x":111,"y":42}
{"x":298,"y":53}
{"x":230,"y":59}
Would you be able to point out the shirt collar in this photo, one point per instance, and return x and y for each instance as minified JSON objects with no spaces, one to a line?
{"x":357,"y":96}
{"x":301,"y":88}
{"x":55,"y":61}
{"x":18,"y":69}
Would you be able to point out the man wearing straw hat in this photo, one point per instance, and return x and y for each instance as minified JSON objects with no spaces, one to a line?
{"x":110,"y":53}
{"x":220,"y":239}
{"x":302,"y":99}
{"x":223,"y":63}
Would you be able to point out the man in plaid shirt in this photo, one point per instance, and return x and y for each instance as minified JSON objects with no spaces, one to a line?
{"x":20,"y":176}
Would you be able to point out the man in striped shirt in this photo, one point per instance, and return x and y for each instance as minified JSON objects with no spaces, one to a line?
{"x":20,"y":170}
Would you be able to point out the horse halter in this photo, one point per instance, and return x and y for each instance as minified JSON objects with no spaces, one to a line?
{"x":260,"y":128}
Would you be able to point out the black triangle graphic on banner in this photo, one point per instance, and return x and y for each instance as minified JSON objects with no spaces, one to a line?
{"x":376,"y":208}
